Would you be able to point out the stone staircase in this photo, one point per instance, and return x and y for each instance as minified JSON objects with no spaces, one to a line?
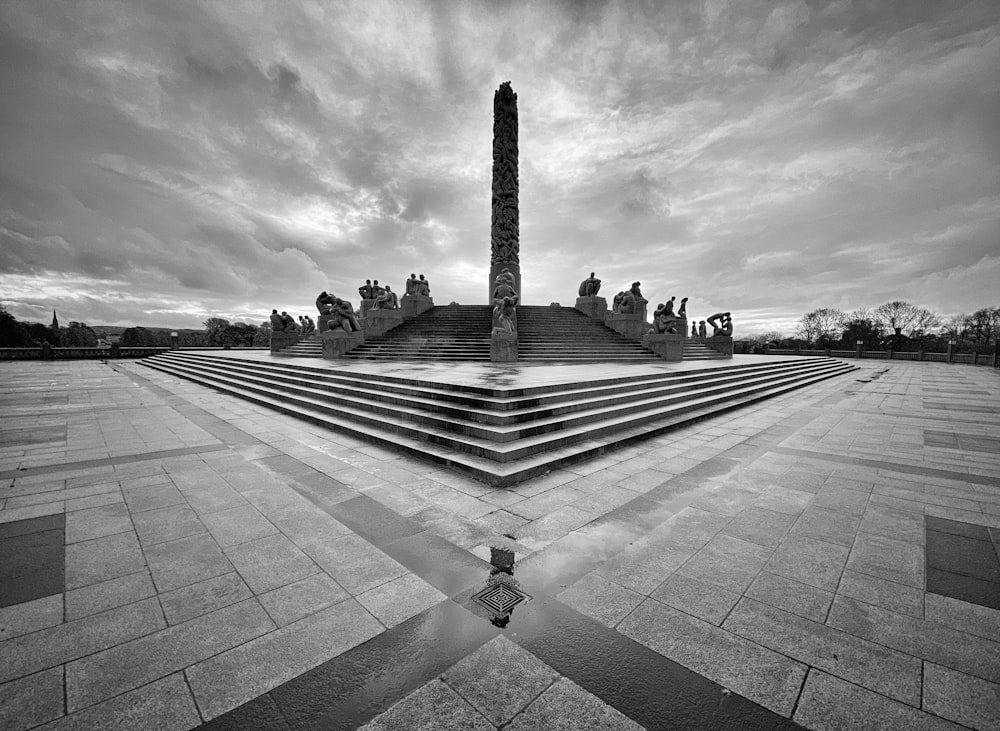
{"x":566,"y":334}
{"x":309,"y":347}
{"x":451,"y":332}
{"x":695,"y":349}
{"x":498,"y":435}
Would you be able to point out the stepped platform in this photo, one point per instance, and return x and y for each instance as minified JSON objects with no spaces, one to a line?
{"x":501,"y":424}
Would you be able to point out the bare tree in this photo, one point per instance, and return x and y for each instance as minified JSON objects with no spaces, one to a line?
{"x":821,"y":326}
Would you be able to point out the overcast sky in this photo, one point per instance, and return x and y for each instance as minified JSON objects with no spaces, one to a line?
{"x":165,"y":161}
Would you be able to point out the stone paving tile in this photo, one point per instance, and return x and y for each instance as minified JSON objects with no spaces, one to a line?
{"x":64,"y":642}
{"x":233,"y":677}
{"x":9,"y":515}
{"x":954,"y":613}
{"x":39,"y":498}
{"x":961,"y":698}
{"x":888,"y":558}
{"x":809,"y":561}
{"x":565,"y":705}
{"x":792,"y":596}
{"x":109,"y":594}
{"x":203,"y":597}
{"x":399,"y":599}
{"x":106,"y":674}
{"x":149,"y":497}
{"x":237,"y":525}
{"x":499,"y":679}
{"x":270,"y":562}
{"x":184,"y":561}
{"x":94,"y":501}
{"x":727,"y":562}
{"x":837,"y":652}
{"x":824,"y":524}
{"x":353,"y":563}
{"x":831,"y":704}
{"x":105,"y":520}
{"x":100,"y":559}
{"x":430,"y":707}
{"x":301,"y":598}
{"x":30,"y":616}
{"x":883,"y":593}
{"x":759,"y":525}
{"x":784,"y":500}
{"x":31,"y":700}
{"x":603,"y":600}
{"x":703,"y":600}
{"x":166,"y":524}
{"x":645,"y":565}
{"x":755,"y":672}
{"x":166,"y":705}
{"x":921,"y":638}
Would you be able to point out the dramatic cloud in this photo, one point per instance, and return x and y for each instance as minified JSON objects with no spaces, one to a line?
{"x":168,"y":162}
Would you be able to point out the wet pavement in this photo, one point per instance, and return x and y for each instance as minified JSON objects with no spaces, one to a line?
{"x":828,"y":558}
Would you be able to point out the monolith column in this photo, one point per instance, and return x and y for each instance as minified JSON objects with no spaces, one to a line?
{"x":504,"y":236}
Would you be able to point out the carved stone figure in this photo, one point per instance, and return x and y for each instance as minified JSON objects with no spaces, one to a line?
{"x":289,"y":323}
{"x":504,"y":231}
{"x":682,"y":311}
{"x":324,"y":302}
{"x":616,"y":303}
{"x":702,"y":332}
{"x":694,"y":329}
{"x":342,"y":317}
{"x":377,"y":289}
{"x":504,"y":313}
{"x":365,"y":290}
{"x":668,"y":307}
{"x":386,"y":300}
{"x":277,"y":324}
{"x":411,"y":284}
{"x":424,"y":287}
{"x":636,"y":292}
{"x":504,"y":289}
{"x":664,"y":319}
{"x":722,"y":323}
{"x":310,"y":326}
{"x":590,"y":286}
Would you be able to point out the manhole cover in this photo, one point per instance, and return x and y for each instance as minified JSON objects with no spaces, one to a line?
{"x":500,"y":598}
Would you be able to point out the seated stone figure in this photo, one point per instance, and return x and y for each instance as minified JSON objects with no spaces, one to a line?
{"x":309,"y":327}
{"x":324,"y":302}
{"x":423,"y":287}
{"x":386,"y":300}
{"x":342,"y":317}
{"x":277,"y":324}
{"x":664,"y":319}
{"x":377,"y":289}
{"x":682,"y":311}
{"x":616,"y":303}
{"x":504,"y":312}
{"x":722,"y":324}
{"x":365,"y":290}
{"x":694,"y":329}
{"x":289,"y":322}
{"x":727,"y":326}
{"x":702,"y":332}
{"x":412,"y":284}
{"x":629,"y":304}
{"x":590,"y":286}
{"x":636,"y":292}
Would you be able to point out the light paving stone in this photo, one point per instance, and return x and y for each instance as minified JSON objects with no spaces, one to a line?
{"x":353,"y":563}
{"x":185,"y":561}
{"x":27,"y":617}
{"x":233,"y":677}
{"x":544,"y":503}
{"x":920,"y":638}
{"x":888,"y":558}
{"x":837,"y":652}
{"x":399,"y":599}
{"x":101,"y":559}
{"x":727,"y":562}
{"x":500,"y":521}
{"x":703,"y":600}
{"x":783,"y":500}
{"x":549,"y":528}
{"x":645,"y":565}
{"x":500,"y":679}
{"x":971,"y":618}
{"x":106,"y":674}
{"x":166,"y":524}
{"x":238,"y":525}
{"x":603,"y":600}
{"x":106,"y":520}
{"x":270,"y":562}
{"x":726,"y":500}
{"x":108,"y":595}
{"x":901,"y":525}
{"x":31,"y":700}
{"x":961,"y":698}
{"x":689,"y":528}
{"x":824,"y":524}
{"x":832,"y":704}
{"x":432,"y":707}
{"x":755,"y":672}
{"x":882,"y":593}
{"x":203,"y":597}
{"x":213,"y":499}
{"x":759,"y":525}
{"x":810,"y":561}
{"x":62,"y":495}
{"x":301,"y":598}
{"x":790,"y":595}
{"x":64,"y":642}
{"x":165,"y":705}
{"x":151,"y":497}
{"x":9,"y":515}
{"x":93,"y":501}
{"x":567,"y":707}
{"x":841,"y":499}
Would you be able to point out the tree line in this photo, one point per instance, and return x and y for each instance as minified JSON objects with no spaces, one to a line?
{"x":895,"y":325}
{"x":218,"y":332}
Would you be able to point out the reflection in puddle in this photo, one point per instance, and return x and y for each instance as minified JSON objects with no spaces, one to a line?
{"x":502,"y":592}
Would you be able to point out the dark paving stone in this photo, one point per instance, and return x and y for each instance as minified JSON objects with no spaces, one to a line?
{"x":965,"y":588}
{"x":373,"y":521}
{"x":440,"y":563}
{"x":33,"y":436}
{"x":32,"y":559}
{"x":962,"y":555}
{"x":965,"y":442}
{"x":957,"y":391}
{"x":260,"y":713}
{"x":110,"y":462}
{"x":957,"y":528}
{"x":975,"y":408}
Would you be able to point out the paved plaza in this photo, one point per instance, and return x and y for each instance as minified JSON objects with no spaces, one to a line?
{"x":172,"y":557}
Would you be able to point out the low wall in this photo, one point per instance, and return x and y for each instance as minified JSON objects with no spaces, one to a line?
{"x":115,"y":351}
{"x":982,"y":359}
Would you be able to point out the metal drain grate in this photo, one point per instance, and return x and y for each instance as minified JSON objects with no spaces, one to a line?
{"x":500,"y":598}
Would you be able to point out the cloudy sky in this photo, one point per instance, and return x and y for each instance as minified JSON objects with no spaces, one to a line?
{"x":164,"y":162}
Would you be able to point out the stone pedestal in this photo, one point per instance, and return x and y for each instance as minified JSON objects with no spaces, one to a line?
{"x":322,"y":323}
{"x":721,"y":344}
{"x":412,"y":305}
{"x":683,"y":326}
{"x":281,"y":340}
{"x":593,"y":306}
{"x":631,"y":324}
{"x":503,"y":347}
{"x":666,"y":345}
{"x":379,"y":322}
{"x":338,"y":342}
{"x":365,"y":306}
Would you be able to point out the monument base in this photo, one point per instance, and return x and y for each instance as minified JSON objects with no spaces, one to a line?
{"x":683,"y":326}
{"x":666,"y":345}
{"x":322,"y":323}
{"x":721,"y":344}
{"x":503,"y":347}
{"x":365,"y":306}
{"x":412,"y":305}
{"x":281,"y":340}
{"x":379,"y":322}
{"x":630,"y":324}
{"x":593,"y":306}
{"x":338,"y":342}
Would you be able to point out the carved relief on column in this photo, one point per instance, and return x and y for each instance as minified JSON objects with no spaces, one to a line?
{"x":504,"y":237}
